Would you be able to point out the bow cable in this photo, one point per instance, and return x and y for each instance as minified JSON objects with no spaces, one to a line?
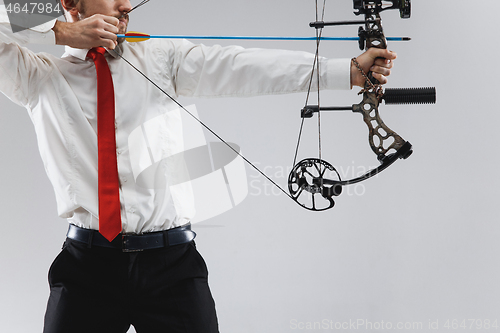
{"x":205,"y":126}
{"x":315,"y":69}
{"x":197,"y":119}
{"x":318,"y":35}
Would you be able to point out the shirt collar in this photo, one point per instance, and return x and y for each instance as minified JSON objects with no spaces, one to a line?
{"x":82,"y":53}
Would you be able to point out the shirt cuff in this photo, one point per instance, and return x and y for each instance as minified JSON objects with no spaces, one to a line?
{"x":338,"y":74}
{"x":43,"y":33}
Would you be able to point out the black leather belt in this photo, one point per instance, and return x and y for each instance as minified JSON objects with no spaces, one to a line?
{"x":133,"y":243}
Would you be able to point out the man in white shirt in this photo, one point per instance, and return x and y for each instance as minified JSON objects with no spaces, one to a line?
{"x":97,"y":285}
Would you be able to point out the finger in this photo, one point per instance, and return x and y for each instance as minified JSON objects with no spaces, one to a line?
{"x":111,"y":28}
{"x":381,"y":70}
{"x":390,"y":55}
{"x":109,"y":43}
{"x":380,"y":78}
{"x":382,"y":53}
{"x":384,"y":63}
{"x":108,"y":35}
{"x":108,"y":39}
{"x":111,"y":20}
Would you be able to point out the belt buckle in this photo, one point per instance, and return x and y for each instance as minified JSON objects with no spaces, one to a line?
{"x":125,"y":244}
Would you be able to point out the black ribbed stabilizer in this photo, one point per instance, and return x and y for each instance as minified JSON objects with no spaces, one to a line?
{"x":410,"y":95}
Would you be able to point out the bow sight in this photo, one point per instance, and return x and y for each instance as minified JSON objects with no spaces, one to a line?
{"x":373,"y":33}
{"x":372,"y":7}
{"x":319,"y":178}
{"x":371,"y":10}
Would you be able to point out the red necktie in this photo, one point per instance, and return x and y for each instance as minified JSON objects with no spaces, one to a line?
{"x":110,"y":224}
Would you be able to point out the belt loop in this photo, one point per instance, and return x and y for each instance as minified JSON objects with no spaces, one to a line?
{"x":165,"y":238}
{"x":89,"y":243}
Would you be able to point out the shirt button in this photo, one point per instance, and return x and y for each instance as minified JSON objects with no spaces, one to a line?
{"x":118,"y":152}
{"x":124,"y":179}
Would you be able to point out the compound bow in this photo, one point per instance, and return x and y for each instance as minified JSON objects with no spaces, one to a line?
{"x":313,"y":178}
{"x":314,"y":175}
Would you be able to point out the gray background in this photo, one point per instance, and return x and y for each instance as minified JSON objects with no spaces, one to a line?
{"x":417,"y":244}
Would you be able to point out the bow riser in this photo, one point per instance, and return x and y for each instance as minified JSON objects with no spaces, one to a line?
{"x":373,"y":34}
{"x":381,"y":138}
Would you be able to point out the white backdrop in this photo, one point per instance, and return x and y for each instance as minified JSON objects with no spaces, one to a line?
{"x":415,"y":247}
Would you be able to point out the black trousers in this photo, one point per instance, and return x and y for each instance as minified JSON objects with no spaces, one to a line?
{"x":101,"y":290}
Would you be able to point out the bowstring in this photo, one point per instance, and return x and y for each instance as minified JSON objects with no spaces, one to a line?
{"x":205,"y":126}
{"x":139,"y":5}
{"x":199,"y":120}
{"x":318,"y":40}
{"x":315,"y":69}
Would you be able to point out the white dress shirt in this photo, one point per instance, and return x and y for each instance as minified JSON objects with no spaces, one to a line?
{"x":60,"y":96}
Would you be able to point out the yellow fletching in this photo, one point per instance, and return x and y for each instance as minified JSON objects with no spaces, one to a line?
{"x":134,"y":37}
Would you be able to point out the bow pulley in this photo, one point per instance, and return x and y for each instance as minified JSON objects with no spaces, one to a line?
{"x":313,"y":178}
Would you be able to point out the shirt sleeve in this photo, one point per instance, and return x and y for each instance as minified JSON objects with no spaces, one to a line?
{"x":204,"y":71}
{"x":41,"y":34}
{"x":21,"y":70}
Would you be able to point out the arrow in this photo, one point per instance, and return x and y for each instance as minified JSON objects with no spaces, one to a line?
{"x":134,"y":36}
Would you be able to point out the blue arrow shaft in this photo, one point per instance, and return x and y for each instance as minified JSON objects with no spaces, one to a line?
{"x":256,"y":37}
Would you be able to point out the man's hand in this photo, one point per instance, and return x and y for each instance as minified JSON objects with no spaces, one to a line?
{"x":379,"y":61}
{"x":94,"y":31}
